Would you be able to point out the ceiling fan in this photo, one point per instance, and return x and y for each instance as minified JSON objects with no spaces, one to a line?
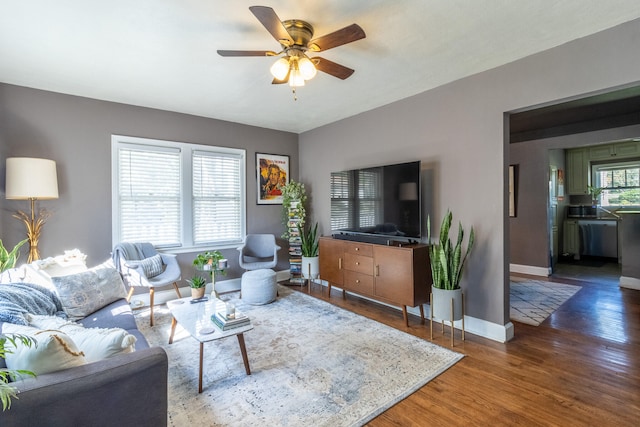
{"x":295,"y":37}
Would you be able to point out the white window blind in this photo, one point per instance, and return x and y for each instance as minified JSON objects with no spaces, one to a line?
{"x":370,"y":206}
{"x":341,"y":201}
{"x":176,"y":195}
{"x":149,"y":195}
{"x":216,"y":198}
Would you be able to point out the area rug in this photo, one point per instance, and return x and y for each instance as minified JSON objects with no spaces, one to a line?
{"x":312,"y":364}
{"x":532,"y":301}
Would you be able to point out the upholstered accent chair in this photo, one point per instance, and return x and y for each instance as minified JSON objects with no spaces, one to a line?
{"x":258,"y":251}
{"x":140,"y":265}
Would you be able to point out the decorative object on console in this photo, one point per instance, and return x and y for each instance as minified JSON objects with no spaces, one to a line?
{"x":31,"y":179}
{"x":447,"y":263}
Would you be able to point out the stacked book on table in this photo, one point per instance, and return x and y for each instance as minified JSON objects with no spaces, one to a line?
{"x":221,"y":320}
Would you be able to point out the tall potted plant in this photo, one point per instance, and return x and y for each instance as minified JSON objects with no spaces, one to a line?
{"x":447,"y":263}
{"x":309,"y":247}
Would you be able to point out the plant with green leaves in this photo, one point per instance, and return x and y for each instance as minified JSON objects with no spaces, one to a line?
{"x":293,"y":192}
{"x":197,"y":282}
{"x":309,"y":237}
{"x":7,"y":391}
{"x":595,"y":192}
{"x":209,"y":258}
{"x":9,"y":259}
{"x":447,"y":260}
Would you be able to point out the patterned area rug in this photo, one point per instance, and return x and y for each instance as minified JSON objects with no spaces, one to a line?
{"x":312,"y":364}
{"x":532,"y":301}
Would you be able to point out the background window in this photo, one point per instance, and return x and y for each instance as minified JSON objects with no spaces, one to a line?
{"x":621,"y":183}
{"x":177,"y":195}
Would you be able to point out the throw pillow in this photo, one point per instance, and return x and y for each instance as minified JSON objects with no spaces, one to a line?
{"x":95,"y":343}
{"x":84,"y":293}
{"x":54,"y":351}
{"x":151,"y":266}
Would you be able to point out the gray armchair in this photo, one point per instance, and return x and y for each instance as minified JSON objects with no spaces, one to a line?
{"x":140,"y":265}
{"x":258,"y":251}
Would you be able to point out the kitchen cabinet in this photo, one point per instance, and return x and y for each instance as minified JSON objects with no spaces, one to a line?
{"x":617,"y":150}
{"x":577,"y":171}
{"x":396,"y":275}
{"x":571,"y":238}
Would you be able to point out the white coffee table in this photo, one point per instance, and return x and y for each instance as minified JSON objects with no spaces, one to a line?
{"x":196,"y":320}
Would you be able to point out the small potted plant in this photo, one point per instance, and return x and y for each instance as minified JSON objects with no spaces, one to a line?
{"x":309,"y":248}
{"x":595,"y":194}
{"x":198,"y":285}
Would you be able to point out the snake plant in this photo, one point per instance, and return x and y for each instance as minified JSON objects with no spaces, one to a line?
{"x":447,"y":260}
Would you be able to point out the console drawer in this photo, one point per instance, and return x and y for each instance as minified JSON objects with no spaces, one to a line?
{"x":358,"y":263}
{"x":359,"y":249}
{"x":358,"y":282}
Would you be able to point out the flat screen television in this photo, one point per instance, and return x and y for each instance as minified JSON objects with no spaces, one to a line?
{"x":377,"y":204}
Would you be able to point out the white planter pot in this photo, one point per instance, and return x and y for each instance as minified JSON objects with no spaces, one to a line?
{"x":442,"y":303}
{"x":310,"y":264}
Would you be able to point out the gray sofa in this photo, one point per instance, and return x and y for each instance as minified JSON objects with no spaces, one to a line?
{"x":124,"y":390}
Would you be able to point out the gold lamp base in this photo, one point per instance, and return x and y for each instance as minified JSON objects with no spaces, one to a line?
{"x":34,"y":228}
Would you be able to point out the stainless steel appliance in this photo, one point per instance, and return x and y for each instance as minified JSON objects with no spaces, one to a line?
{"x":599,"y":238}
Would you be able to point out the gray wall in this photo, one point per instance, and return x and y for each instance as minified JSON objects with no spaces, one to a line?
{"x":457,"y":130}
{"x":76,"y":133}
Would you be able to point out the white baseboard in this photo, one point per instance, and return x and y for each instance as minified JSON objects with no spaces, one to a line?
{"x":483,"y":328}
{"x":630,"y":283}
{"x":530,"y":269}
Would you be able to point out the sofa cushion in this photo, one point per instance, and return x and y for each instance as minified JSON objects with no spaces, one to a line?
{"x":54,"y":350}
{"x":95,"y":343}
{"x":83,"y":293}
{"x":151,"y":266}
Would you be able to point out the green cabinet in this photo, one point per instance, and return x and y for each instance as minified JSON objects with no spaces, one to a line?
{"x":571,"y":238}
{"x":618,"y":150}
{"x":577,"y":171}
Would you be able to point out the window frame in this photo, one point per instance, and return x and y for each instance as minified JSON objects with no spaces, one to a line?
{"x":598,"y":167}
{"x":186,"y":189}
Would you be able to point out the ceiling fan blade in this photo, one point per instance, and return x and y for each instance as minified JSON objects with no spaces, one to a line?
{"x":272,"y":23}
{"x":329,"y":67}
{"x":246,"y":53}
{"x":346,"y":35}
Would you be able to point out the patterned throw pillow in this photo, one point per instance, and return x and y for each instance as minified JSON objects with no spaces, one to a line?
{"x":151,"y":266}
{"x":54,"y":351}
{"x":84,"y":293}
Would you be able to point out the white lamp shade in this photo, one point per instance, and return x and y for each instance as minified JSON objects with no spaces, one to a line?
{"x":280,"y":68}
{"x":307,"y":69}
{"x":30,"y":178}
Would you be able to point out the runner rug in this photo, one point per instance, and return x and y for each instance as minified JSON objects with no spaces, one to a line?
{"x":312,"y":364}
{"x":532,"y":301}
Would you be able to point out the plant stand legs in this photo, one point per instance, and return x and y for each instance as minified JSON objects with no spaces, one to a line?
{"x":443,"y":320}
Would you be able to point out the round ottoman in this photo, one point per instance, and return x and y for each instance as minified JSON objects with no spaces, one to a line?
{"x":259,"y":286}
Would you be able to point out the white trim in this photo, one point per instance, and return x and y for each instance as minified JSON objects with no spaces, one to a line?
{"x":483,"y":328}
{"x":630,"y":283}
{"x":530,"y":269}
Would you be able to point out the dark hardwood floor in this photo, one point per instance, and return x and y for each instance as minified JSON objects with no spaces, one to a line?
{"x":580,"y":367}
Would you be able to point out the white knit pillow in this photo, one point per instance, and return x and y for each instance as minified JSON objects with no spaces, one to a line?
{"x":95,"y":343}
{"x":53,"y":351}
{"x":151,"y":266}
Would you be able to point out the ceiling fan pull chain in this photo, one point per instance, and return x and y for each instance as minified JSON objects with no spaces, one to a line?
{"x":295,"y":95}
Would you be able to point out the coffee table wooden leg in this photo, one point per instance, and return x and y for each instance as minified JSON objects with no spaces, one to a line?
{"x":243,"y":350}
{"x":200,"y":370}
{"x":174,"y":322}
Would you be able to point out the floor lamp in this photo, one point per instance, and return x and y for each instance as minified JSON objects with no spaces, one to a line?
{"x":31,"y":179}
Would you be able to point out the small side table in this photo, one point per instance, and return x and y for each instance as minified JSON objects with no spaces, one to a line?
{"x":196,"y":320}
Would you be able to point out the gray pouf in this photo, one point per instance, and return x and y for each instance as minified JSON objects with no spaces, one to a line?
{"x":259,"y":286}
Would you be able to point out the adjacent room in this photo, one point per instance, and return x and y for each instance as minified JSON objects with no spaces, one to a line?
{"x":319,"y":213}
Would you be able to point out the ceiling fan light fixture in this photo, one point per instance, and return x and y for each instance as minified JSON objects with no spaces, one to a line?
{"x":295,"y":78}
{"x":307,"y":69}
{"x":280,"y":68}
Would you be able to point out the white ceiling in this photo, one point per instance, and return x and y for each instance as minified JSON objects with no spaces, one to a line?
{"x":162,"y":53}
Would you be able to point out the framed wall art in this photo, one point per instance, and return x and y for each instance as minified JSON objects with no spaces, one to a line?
{"x":272,"y":173}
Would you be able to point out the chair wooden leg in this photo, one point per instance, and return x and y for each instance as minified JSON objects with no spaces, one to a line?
{"x":129,"y":294}
{"x":175,"y":286}
{"x":151,"y":295}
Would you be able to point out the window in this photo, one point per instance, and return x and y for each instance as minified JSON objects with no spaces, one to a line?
{"x":177,"y":196}
{"x":620,"y":181}
{"x":356,"y":200}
